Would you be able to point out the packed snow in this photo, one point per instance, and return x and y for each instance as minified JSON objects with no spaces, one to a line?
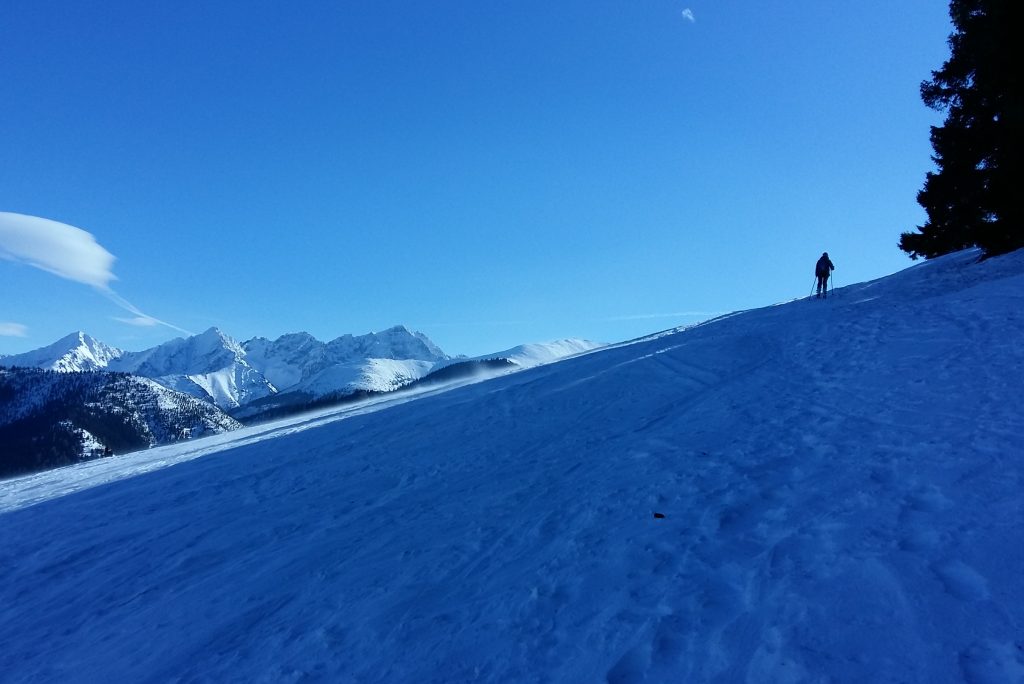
{"x":815,"y":491}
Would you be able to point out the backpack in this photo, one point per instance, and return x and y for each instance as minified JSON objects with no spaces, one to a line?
{"x":823,"y":268}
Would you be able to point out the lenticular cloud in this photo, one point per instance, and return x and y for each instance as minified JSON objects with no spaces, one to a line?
{"x":58,"y":248}
{"x":68,"y":252}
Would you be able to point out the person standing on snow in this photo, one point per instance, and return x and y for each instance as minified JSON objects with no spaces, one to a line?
{"x":823,"y":270}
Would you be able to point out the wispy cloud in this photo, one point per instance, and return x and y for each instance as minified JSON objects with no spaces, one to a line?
{"x":675,"y":314}
{"x":464,"y":324}
{"x":140,"y":321}
{"x":688,"y":15}
{"x":68,"y":252}
{"x":13,"y":330}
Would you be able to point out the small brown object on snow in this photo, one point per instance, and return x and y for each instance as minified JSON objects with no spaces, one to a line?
{"x":659,"y":515}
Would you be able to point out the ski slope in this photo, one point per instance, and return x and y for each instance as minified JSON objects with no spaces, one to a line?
{"x":840,"y":480}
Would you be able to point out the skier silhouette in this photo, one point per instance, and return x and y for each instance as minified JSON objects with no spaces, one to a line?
{"x":823,"y":270}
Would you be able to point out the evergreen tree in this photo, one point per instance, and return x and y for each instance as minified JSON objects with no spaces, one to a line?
{"x":971,"y":199}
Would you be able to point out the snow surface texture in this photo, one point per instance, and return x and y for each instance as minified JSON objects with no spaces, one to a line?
{"x":840,"y":481}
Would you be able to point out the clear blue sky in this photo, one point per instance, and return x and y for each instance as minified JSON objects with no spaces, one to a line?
{"x":487,"y":172}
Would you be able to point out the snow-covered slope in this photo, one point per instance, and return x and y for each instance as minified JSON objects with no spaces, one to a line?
{"x":75,"y":352}
{"x":530,"y":355}
{"x":376,"y":375}
{"x":840,"y":484}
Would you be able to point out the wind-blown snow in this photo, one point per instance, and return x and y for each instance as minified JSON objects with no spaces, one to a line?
{"x":840,"y":481}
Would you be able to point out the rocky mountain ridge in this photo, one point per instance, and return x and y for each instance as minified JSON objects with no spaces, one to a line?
{"x":215,"y":367}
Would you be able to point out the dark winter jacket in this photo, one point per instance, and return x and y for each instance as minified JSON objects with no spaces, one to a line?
{"x":824,"y":267}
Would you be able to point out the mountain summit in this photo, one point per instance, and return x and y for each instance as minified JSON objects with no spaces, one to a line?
{"x":202,"y":353}
{"x":210,"y":366}
{"x":300,"y":362}
{"x":70,"y":354}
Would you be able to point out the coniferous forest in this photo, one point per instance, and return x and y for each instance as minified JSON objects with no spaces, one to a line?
{"x":50,"y":419}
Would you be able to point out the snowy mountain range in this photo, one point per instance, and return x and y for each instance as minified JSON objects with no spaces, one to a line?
{"x":216,"y":368}
{"x":74,"y":353}
{"x":817,"y":491}
{"x":261,"y":378}
{"x":378,"y":361}
{"x":210,"y":366}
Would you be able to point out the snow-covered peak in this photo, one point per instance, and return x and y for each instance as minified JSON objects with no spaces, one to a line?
{"x":288,"y":340}
{"x":397,"y":342}
{"x":75,"y":338}
{"x":287,"y":344}
{"x":208,"y":351}
{"x":72,"y":353}
{"x":300,"y":359}
{"x":213,"y":338}
{"x":286,"y":360}
{"x":210,"y":365}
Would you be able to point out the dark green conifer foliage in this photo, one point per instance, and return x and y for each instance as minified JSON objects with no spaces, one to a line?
{"x":973,"y":198}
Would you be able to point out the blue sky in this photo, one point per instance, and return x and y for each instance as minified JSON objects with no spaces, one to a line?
{"x":490,"y":173}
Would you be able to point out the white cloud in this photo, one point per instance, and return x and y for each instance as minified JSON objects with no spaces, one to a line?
{"x":688,"y":15}
{"x":67,"y":252}
{"x":58,"y":248}
{"x":13,"y":330}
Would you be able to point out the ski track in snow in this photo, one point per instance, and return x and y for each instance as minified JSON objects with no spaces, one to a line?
{"x":840,"y":483}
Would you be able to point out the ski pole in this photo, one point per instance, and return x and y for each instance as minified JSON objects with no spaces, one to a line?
{"x":813,"y":283}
